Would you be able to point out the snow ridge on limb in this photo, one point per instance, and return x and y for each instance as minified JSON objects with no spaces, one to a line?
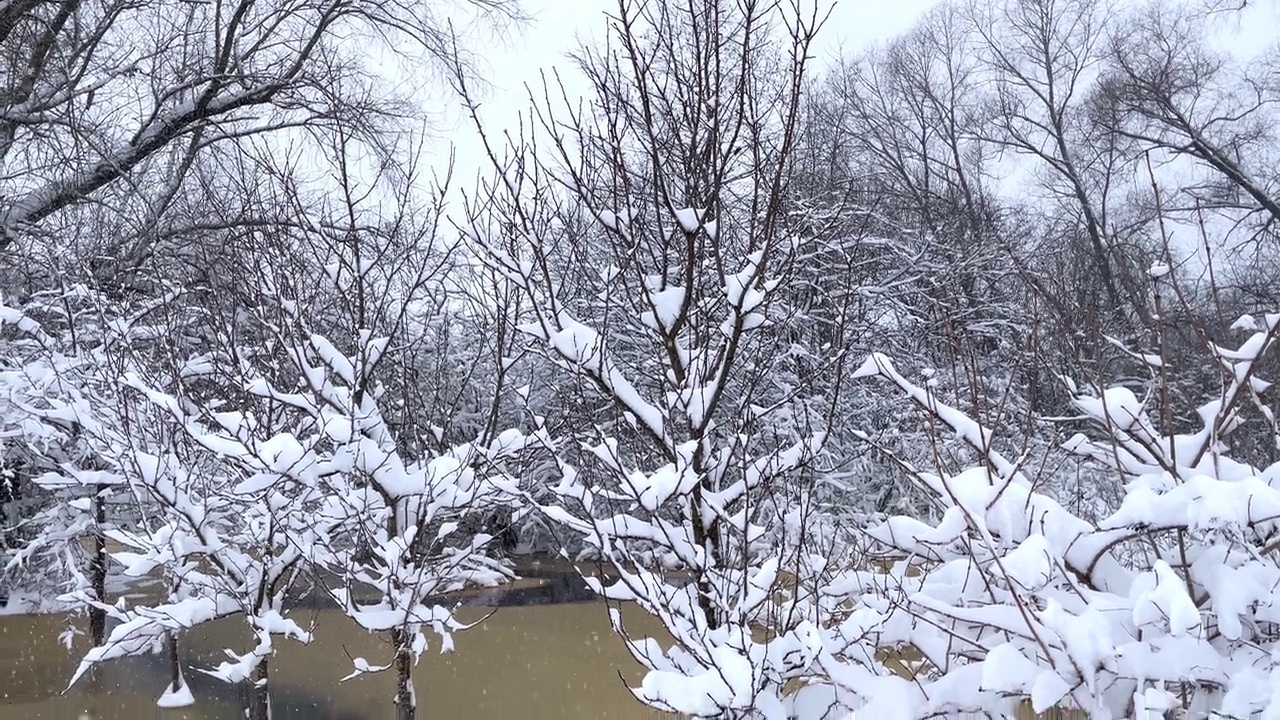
{"x":1000,"y":487}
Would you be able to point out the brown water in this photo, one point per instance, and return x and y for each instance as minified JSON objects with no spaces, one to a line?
{"x":557,"y":661}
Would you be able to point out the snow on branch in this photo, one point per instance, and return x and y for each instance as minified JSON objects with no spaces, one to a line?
{"x":1009,"y":596}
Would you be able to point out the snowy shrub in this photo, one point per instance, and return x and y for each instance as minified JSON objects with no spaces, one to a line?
{"x":227,"y":527}
{"x":309,"y":483}
{"x":1168,"y":601}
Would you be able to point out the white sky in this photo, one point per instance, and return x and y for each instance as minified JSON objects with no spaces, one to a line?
{"x":557,"y":27}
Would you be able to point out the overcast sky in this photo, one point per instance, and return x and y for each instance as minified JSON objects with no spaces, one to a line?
{"x":515,"y":56}
{"x":559,"y":25}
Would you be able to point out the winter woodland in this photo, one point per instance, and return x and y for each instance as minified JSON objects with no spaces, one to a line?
{"x":927,"y":381}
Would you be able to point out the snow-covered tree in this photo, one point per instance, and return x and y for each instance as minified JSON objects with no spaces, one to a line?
{"x":654,"y":243}
{"x":223,"y":437}
{"x":400,"y":523}
{"x":227,"y":523}
{"x":60,"y":403}
{"x":246,"y":498}
{"x":296,"y":464}
{"x":110,"y":104}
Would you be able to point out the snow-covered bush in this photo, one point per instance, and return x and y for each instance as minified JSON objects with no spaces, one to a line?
{"x":292,"y":471}
{"x":114,"y":469}
{"x":1168,"y":601}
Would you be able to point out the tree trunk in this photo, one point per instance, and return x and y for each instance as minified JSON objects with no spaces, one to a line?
{"x":176,"y":680}
{"x":98,"y":567}
{"x":259,"y":700}
{"x":406,"y":702}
